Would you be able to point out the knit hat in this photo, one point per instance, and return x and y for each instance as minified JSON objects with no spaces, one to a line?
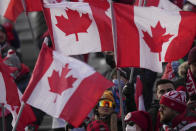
{"x":176,"y":100}
{"x":141,"y":118}
{"x":97,"y":126}
{"x":192,"y":56}
{"x":108,"y":95}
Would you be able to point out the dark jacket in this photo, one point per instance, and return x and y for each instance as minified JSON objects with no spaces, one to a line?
{"x":153,"y":111}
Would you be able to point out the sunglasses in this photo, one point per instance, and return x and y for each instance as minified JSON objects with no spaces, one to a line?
{"x":104,"y":103}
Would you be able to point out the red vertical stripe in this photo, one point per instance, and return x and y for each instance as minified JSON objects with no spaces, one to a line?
{"x":84,"y":98}
{"x":186,"y":34}
{"x":14,"y":9}
{"x":128,"y":46}
{"x":103,"y":23}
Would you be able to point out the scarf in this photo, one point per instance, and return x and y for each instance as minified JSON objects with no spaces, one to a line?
{"x":190,"y":83}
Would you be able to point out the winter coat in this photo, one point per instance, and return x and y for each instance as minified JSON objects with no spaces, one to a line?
{"x":184,"y":122}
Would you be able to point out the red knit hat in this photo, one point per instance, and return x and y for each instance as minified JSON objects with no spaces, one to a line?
{"x":192,"y":56}
{"x":141,"y":118}
{"x":97,"y":125}
{"x":176,"y":100}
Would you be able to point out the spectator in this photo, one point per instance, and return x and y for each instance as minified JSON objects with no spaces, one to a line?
{"x":189,"y":80}
{"x":4,"y":46}
{"x":97,"y":125}
{"x":173,"y":112}
{"x":104,"y":111}
{"x":162,"y":86}
{"x":12,"y":37}
{"x":20,"y":72}
{"x":138,"y":121}
{"x":124,"y":78}
{"x":148,"y":83}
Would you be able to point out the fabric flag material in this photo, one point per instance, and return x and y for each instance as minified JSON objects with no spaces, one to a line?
{"x":79,"y":27}
{"x":10,"y":98}
{"x":64,"y":87}
{"x":8,"y":87}
{"x":139,"y":99}
{"x":27,"y":117}
{"x":11,"y":9}
{"x":152,"y":35}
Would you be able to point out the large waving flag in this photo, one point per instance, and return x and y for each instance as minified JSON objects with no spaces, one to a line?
{"x":151,"y":35}
{"x":11,"y":9}
{"x":79,"y":27}
{"x":64,"y":87}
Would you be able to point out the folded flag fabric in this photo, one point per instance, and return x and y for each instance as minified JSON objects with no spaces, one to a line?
{"x":11,"y":9}
{"x":64,"y":87}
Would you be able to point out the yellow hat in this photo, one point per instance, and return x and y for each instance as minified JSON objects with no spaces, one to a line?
{"x":108,"y":95}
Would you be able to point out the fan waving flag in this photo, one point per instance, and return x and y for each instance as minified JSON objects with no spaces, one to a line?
{"x":79,"y":27}
{"x":152,"y":35}
{"x":11,"y":9}
{"x":64,"y":87}
{"x":8,"y":87}
{"x":9,"y":97}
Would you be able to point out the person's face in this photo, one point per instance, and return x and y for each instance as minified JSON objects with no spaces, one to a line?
{"x":193,"y":69}
{"x":135,"y":127}
{"x":166,"y":114}
{"x":163,"y":88}
{"x":105,"y":107}
{"x":2,"y":37}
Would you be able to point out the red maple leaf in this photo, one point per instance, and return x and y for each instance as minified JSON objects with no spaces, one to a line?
{"x":158,"y":38}
{"x":74,"y":24}
{"x":60,"y":83}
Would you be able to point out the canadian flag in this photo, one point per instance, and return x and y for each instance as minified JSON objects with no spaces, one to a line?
{"x":11,"y":9}
{"x":10,"y":98}
{"x":139,"y":99}
{"x":79,"y":27}
{"x":64,"y":87}
{"x":151,"y":35}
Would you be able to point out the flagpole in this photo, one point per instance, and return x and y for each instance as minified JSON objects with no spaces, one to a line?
{"x":28,"y":19}
{"x":19,"y":115}
{"x":118,"y":72}
{"x":3,"y":117}
{"x":131,"y":75}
